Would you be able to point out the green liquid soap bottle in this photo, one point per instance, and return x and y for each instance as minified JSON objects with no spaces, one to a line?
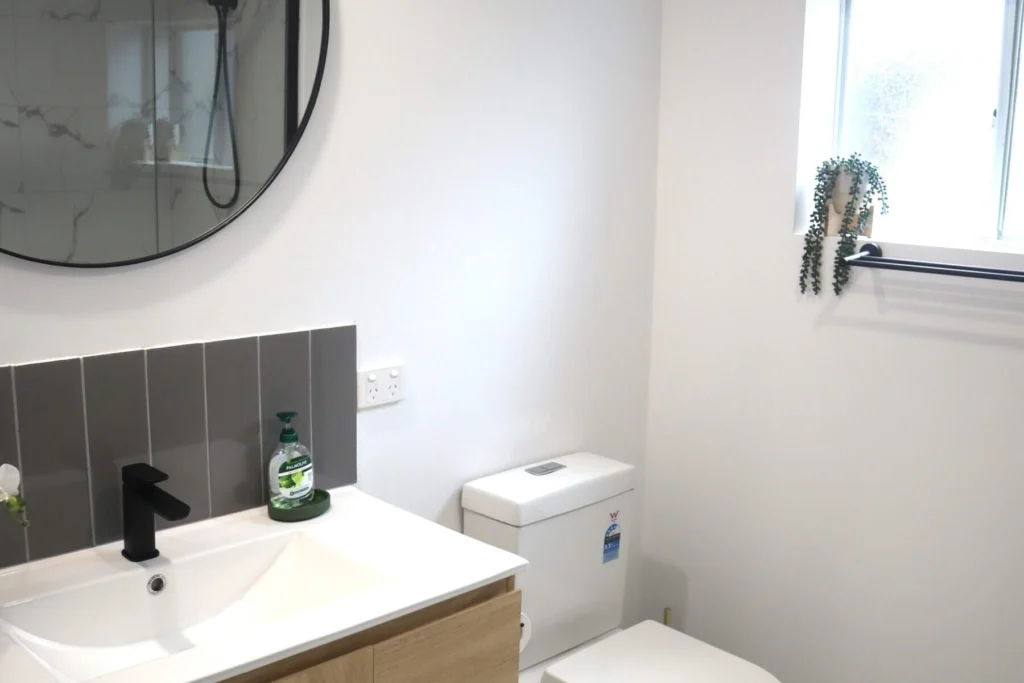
{"x":291,"y":469}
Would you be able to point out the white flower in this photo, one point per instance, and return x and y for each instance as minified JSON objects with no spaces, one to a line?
{"x":10,"y":482}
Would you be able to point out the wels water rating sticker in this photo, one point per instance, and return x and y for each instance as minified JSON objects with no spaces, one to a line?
{"x":612,"y":539}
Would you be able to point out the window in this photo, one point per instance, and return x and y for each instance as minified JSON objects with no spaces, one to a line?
{"x":928,"y":92}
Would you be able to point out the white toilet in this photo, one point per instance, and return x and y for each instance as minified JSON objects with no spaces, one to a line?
{"x":571,"y":517}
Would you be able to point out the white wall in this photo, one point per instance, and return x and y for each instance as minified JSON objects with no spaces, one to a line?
{"x":477,"y":192}
{"x":834,"y":486}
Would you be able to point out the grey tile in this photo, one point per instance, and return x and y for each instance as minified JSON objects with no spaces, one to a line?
{"x":233,"y":411}
{"x":12,"y":537}
{"x":115,"y":411}
{"x":284,"y":384}
{"x":177,"y":415}
{"x":51,"y":425}
{"x":334,"y":406}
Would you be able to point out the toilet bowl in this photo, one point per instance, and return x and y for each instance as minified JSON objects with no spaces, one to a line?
{"x":571,"y":517}
{"x":652,"y":653}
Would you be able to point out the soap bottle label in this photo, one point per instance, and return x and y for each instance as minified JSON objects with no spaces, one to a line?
{"x":295,"y":478}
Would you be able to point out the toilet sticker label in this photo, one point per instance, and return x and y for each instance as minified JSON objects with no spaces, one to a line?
{"x":612,"y":539}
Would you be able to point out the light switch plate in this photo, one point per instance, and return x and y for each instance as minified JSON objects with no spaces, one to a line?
{"x":380,"y":385}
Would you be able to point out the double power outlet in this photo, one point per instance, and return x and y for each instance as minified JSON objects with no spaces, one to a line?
{"x":381,"y":385}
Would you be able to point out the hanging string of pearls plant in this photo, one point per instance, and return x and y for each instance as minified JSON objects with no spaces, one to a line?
{"x":858,"y":182}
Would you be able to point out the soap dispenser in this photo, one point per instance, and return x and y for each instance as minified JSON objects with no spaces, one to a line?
{"x":291,"y":469}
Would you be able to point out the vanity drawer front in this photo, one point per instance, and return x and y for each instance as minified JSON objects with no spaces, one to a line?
{"x":478,"y":645}
{"x":356,"y":667}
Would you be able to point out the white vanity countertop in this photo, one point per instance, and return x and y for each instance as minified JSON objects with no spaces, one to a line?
{"x":411,"y":563}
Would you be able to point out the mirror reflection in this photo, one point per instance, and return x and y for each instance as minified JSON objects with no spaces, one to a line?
{"x":130,"y":128}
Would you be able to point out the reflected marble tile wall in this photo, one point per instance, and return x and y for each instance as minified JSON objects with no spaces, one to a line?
{"x":10,"y":148}
{"x":257,"y":44}
{"x":60,"y":196}
{"x":104,"y":110}
{"x":81,"y":10}
{"x":8,"y":63}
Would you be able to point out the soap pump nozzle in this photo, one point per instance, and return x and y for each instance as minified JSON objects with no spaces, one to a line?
{"x":288,"y":434}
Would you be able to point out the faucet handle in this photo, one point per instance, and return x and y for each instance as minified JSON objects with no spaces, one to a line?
{"x":142,"y":473}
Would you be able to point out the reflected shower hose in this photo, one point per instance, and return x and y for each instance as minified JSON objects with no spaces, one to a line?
{"x":223,"y":8}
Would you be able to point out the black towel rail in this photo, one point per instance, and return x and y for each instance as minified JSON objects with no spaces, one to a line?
{"x":870,"y":256}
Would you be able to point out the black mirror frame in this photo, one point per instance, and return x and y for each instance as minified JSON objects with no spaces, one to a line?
{"x":300,"y":130}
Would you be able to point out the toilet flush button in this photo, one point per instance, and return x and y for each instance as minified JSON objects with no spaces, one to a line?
{"x":546,"y":468}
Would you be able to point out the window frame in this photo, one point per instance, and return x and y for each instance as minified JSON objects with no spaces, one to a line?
{"x":1009,"y":81}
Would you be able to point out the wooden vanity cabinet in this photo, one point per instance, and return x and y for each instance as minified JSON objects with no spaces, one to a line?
{"x":472,"y":638}
{"x":478,"y":645}
{"x":355,"y":667}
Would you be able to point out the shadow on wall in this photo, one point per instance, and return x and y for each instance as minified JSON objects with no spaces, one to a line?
{"x":664,"y":586}
{"x":964,"y":312}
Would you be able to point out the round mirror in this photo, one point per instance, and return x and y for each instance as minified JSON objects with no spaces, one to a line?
{"x":132,"y":129}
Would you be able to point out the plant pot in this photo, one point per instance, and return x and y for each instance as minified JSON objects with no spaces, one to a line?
{"x":839,"y":201}
{"x":835,"y":222}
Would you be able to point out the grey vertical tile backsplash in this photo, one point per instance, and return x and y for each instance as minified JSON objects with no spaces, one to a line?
{"x":177,"y":419}
{"x":202,"y":413}
{"x":334,"y":404}
{"x":115,"y":412}
{"x":55,"y":466}
{"x":284,"y":378}
{"x":233,"y":409}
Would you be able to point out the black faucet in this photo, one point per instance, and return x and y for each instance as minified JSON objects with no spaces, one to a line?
{"x":140,"y":500}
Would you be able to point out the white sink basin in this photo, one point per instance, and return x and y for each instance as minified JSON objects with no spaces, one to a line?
{"x":109,"y":625}
{"x":241,"y":592}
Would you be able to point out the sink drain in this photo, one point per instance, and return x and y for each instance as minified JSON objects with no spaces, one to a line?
{"x":157,"y":584}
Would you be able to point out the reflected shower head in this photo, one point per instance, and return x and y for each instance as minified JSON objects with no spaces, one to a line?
{"x":224,"y":4}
